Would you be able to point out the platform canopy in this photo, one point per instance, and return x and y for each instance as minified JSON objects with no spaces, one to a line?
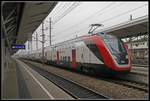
{"x":21,"y":19}
{"x":131,"y":28}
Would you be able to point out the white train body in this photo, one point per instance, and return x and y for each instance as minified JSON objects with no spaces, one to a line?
{"x":90,"y":52}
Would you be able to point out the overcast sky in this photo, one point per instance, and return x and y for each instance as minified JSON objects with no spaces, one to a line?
{"x":73,"y":18}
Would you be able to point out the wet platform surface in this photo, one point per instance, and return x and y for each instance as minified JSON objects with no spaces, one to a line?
{"x":22,"y":82}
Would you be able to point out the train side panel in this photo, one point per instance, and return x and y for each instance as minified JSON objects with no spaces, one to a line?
{"x":73,"y":54}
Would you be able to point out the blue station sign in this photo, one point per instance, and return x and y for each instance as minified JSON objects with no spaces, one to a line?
{"x":18,"y":46}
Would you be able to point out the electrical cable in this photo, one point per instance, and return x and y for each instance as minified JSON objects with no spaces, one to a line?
{"x":109,"y":5}
{"x":120,"y":14}
{"x":73,"y":6}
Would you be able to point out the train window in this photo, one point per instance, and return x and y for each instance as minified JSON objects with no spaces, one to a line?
{"x":65,"y":58}
{"x":95,"y":50}
{"x":68,"y":58}
{"x":115,"y":45}
{"x":82,"y":55}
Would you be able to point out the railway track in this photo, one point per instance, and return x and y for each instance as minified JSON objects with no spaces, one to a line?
{"x":140,"y":65}
{"x":134,"y":80}
{"x":125,"y":82}
{"x":76,"y":90}
{"x":130,"y":84}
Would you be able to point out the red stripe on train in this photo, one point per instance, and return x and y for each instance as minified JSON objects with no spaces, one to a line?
{"x":57,"y":57}
{"x":74,"y":64}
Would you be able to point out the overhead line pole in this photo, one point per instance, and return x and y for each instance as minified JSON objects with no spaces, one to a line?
{"x":36,"y":41}
{"x":31,"y":43}
{"x":43,"y":43}
{"x":50,"y":31}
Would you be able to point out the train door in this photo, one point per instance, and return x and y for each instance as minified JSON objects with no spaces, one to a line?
{"x":45,"y":56}
{"x":74,"y":64}
{"x":85,"y":55}
{"x":82,"y":55}
{"x":57,"y":57}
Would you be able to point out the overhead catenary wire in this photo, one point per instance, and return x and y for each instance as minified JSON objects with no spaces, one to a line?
{"x":105,"y":20}
{"x":106,"y":7}
{"x":118,"y":15}
{"x":72,"y":7}
{"x":57,"y":10}
{"x":89,"y":17}
{"x":123,"y":13}
{"x":66,"y":11}
{"x":67,"y":7}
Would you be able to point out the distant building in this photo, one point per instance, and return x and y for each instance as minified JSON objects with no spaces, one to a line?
{"x":139,"y":51}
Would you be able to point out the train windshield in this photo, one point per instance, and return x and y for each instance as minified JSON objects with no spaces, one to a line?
{"x":116,"y":48}
{"x":115,"y":45}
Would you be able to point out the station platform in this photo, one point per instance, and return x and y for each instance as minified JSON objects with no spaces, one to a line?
{"x":22,"y":82}
{"x":9,"y":80}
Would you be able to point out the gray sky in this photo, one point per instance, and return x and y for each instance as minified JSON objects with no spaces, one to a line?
{"x":73,"y":18}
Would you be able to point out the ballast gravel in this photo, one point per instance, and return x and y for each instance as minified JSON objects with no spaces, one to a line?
{"x":110,"y":89}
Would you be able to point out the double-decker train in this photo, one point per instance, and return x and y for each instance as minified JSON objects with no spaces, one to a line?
{"x":98,"y":53}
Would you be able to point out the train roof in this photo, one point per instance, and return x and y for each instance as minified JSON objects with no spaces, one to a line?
{"x":76,"y":39}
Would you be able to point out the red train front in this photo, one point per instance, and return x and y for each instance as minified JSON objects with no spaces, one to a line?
{"x":112,"y":52}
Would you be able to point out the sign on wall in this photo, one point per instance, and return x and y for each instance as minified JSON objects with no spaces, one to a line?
{"x":17,"y":46}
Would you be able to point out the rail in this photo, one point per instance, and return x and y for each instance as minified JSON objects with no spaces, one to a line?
{"x":76,"y":90}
